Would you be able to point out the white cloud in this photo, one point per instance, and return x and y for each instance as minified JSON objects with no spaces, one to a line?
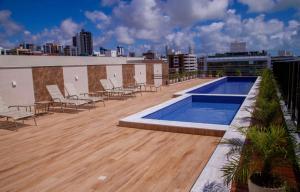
{"x":8,"y":28}
{"x":258,"y":32}
{"x":270,"y":5}
{"x":62,"y":34}
{"x":189,"y":11}
{"x":69,"y":27}
{"x":144,"y":18}
{"x":124,"y":35}
{"x":180,"y":39}
{"x":109,"y":2}
{"x":96,"y":16}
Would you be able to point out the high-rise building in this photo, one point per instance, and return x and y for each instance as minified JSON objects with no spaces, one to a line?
{"x":70,"y":50}
{"x":131,"y":54}
{"x":150,"y":54}
{"x":182,"y":62}
{"x":120,"y":51}
{"x":238,"y":47}
{"x":29,"y":46}
{"x":191,"y":49}
{"x":285,"y":53}
{"x":53,"y":49}
{"x":102,"y":50}
{"x":111,"y":53}
{"x":84,"y":43}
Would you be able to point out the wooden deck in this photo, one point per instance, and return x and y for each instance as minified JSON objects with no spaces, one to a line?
{"x":87,"y":151}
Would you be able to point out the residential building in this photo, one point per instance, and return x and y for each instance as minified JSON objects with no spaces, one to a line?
{"x":53,"y":49}
{"x":111,"y":53}
{"x":150,"y":55}
{"x":131,"y":54}
{"x":232,"y":63}
{"x":182,"y":62}
{"x":29,"y":46}
{"x":3,"y":51}
{"x":285,"y":53}
{"x":120,"y":51}
{"x":84,"y":43}
{"x":238,"y":47}
{"x":70,"y":50}
{"x":102,"y":50}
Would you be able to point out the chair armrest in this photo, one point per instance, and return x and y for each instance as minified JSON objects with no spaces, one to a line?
{"x":56,"y":99}
{"x":84,"y":94}
{"x":73,"y":96}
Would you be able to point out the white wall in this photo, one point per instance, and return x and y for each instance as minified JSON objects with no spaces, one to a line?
{"x":115,"y":72}
{"x":157,"y":71}
{"x":23,"y":92}
{"x":140,"y":72}
{"x":70,"y":74}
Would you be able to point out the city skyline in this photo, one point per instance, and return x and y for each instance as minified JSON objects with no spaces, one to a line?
{"x":140,"y":25}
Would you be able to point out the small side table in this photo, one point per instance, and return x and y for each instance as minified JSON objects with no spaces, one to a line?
{"x":42,"y":105}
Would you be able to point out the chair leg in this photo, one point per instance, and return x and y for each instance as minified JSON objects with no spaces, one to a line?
{"x":16,"y":125}
{"x":103,"y":103}
{"x":34,"y":121}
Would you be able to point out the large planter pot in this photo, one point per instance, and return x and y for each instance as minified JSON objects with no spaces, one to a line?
{"x":256,"y":188}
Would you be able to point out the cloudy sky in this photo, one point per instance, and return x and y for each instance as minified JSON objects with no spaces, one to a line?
{"x":139,"y":25}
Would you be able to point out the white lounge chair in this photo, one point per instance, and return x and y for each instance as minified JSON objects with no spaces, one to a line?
{"x":117,"y":85}
{"x":111,"y":91}
{"x":57,"y":97}
{"x":73,"y":93}
{"x":145,"y":85}
{"x":14,"y":112}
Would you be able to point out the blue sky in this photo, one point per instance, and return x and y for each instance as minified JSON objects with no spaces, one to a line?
{"x":138,"y":25}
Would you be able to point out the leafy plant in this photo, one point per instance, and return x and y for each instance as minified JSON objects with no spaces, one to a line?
{"x":264,"y":149}
{"x":220,"y":73}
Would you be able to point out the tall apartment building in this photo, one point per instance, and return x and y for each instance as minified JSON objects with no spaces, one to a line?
{"x":120,"y":51}
{"x":238,"y":47}
{"x":84,"y":43}
{"x":182,"y":62}
{"x":70,"y":50}
{"x":53,"y":49}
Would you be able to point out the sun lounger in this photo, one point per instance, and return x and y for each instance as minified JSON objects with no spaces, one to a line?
{"x":14,"y":112}
{"x":111,"y":91}
{"x":117,"y":85}
{"x":145,"y":85}
{"x":73,"y":93}
{"x":57,"y":97}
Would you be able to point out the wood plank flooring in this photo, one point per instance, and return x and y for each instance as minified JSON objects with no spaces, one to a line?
{"x":87,"y":151}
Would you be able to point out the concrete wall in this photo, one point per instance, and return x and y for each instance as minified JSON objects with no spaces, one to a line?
{"x":78,"y":76}
{"x":115,"y":72}
{"x":23,"y":92}
{"x":140,"y":72}
{"x":33,"y":73}
{"x":36,"y":61}
{"x":157,"y":70}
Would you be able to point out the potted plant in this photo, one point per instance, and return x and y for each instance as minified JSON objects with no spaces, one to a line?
{"x":220,"y":73}
{"x":264,"y":149}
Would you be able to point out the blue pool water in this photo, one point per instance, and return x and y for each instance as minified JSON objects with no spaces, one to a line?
{"x":228,"y":85}
{"x":201,"y":109}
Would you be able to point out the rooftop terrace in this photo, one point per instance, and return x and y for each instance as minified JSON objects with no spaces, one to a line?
{"x":88,"y":151}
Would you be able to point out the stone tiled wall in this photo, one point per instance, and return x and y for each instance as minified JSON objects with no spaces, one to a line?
{"x":95,"y":73}
{"x":149,"y":73}
{"x":43,"y":76}
{"x":165,"y":73}
{"x":128,"y":72}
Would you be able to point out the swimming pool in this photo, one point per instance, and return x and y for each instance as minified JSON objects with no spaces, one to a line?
{"x":201,"y":109}
{"x":225,"y":85}
{"x":207,"y":109}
